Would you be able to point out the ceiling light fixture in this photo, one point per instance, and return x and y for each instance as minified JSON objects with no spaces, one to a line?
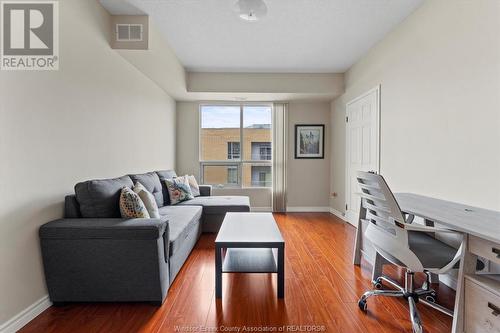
{"x":251,"y":10}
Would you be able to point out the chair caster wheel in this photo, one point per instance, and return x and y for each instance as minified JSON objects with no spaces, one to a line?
{"x":378,"y":284}
{"x":430,"y":298}
{"x":362,"y":305}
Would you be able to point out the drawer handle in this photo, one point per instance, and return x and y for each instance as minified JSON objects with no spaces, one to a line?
{"x":496,"y":309}
{"x":496,"y":251}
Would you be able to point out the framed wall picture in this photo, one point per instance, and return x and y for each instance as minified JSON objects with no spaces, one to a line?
{"x":309,"y":141}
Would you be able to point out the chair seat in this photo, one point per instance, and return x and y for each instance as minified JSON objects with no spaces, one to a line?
{"x":431,"y":252}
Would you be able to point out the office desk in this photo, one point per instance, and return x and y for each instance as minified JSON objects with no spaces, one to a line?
{"x":481,"y":229}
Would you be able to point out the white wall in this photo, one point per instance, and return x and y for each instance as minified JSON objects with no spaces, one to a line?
{"x":440,"y":104}
{"x":159,"y":63}
{"x":258,"y":87}
{"x":299,"y":83}
{"x":97,"y":116}
{"x":307,"y":179}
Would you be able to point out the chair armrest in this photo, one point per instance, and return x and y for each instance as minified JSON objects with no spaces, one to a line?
{"x":205,"y":190}
{"x":425,"y":228}
{"x":105,"y":228}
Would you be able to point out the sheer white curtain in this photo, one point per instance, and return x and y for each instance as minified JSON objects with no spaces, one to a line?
{"x":280,"y":145}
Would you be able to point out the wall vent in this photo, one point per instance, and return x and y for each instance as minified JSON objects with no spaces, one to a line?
{"x":129,"y":32}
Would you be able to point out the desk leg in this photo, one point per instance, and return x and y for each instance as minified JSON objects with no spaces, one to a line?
{"x":218,"y":271}
{"x":281,"y":271}
{"x":433,"y":278}
{"x":356,"y":260}
{"x":467,"y":266}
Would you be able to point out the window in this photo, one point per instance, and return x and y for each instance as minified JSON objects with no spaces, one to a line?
{"x":261,"y":176}
{"x":233,"y":150}
{"x":261,"y":151}
{"x":232,"y":175}
{"x":236,"y":145}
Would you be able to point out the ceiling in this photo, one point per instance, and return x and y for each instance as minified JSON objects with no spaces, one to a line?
{"x":296,"y":36}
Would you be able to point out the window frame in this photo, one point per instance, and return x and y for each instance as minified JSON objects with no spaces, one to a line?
{"x":237,"y":162}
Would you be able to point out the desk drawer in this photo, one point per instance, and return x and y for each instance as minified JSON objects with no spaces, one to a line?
{"x":482,"y":309}
{"x":485,"y":249}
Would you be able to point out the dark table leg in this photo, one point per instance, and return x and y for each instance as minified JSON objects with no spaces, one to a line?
{"x":281,"y":271}
{"x":218,"y":271}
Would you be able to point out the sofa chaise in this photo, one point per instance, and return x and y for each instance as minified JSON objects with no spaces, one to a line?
{"x":94,"y":255}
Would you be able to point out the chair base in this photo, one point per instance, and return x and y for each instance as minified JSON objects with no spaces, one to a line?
{"x":426,"y":295}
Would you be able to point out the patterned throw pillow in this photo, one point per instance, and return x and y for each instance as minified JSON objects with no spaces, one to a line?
{"x":131,"y":205}
{"x":195,"y":188}
{"x":148,"y":199}
{"x":178,"y":189}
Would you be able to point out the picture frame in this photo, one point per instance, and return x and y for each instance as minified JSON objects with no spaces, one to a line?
{"x":309,"y":141}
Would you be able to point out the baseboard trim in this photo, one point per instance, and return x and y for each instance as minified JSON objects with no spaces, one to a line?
{"x":298,"y":209}
{"x":339,"y":214}
{"x":22,"y":318}
{"x":261,"y":209}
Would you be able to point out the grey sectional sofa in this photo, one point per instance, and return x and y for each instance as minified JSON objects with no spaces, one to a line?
{"x":93,"y":255}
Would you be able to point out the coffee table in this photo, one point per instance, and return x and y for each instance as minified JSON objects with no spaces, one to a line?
{"x":249,"y":243}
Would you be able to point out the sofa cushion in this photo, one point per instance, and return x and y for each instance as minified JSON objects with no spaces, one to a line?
{"x":164,"y":175}
{"x":181,"y":221}
{"x":71,"y":207}
{"x":220,"y":204}
{"x":101,"y":198}
{"x":152,"y":183}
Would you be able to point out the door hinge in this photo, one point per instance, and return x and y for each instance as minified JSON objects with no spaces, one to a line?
{"x":346,"y":119}
{"x":345,"y":206}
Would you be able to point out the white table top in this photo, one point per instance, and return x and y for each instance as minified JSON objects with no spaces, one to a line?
{"x":475,"y":221}
{"x":249,"y":228}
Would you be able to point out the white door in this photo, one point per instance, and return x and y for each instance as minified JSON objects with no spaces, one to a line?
{"x":362,"y":149}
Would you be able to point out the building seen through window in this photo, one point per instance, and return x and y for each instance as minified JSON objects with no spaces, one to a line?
{"x":236,"y":145}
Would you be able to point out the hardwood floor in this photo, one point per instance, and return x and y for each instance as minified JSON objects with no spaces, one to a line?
{"x":321,"y":289}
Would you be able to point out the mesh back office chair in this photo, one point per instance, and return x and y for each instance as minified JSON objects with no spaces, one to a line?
{"x":404,"y":244}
